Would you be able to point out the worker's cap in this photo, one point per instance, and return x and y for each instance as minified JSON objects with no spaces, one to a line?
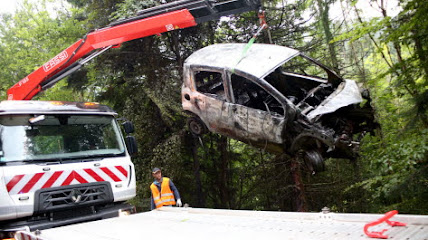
{"x":155,"y":170}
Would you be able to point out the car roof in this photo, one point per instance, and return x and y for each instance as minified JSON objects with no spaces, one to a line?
{"x":53,"y":107}
{"x":259,"y":60}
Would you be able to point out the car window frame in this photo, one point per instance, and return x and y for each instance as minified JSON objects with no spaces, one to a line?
{"x":262,"y":84}
{"x":198,"y":68}
{"x":332,"y":76}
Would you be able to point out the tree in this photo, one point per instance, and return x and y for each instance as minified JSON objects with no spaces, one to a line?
{"x":323,"y":8}
{"x":394,"y":163}
{"x":32,"y":36}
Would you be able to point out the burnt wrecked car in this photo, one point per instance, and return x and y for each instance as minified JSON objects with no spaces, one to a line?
{"x":277,"y":99}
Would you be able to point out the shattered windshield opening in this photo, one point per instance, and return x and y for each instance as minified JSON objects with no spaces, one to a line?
{"x":249,"y":94}
{"x":303,"y":82}
{"x":58,"y":137}
{"x":302,"y":66}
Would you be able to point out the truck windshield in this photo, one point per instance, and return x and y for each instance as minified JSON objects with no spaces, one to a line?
{"x":58,"y":137}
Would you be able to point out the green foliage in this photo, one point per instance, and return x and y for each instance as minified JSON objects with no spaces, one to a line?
{"x":31,"y":37}
{"x":362,"y":29}
{"x":129,"y":8}
{"x":396,"y":172}
{"x":394,"y":163}
{"x":399,"y":48}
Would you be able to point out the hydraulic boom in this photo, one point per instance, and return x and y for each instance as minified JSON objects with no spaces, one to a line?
{"x":156,"y":20}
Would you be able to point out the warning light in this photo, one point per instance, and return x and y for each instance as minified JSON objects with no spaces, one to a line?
{"x":88,"y":105}
{"x":58,"y":103}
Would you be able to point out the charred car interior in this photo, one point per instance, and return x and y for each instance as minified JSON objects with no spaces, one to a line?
{"x":277,"y":99}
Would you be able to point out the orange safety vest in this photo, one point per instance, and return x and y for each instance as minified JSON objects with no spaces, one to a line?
{"x":165,"y":197}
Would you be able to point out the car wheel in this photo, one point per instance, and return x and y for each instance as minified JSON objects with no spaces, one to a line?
{"x":314,"y":161}
{"x":196,"y":126}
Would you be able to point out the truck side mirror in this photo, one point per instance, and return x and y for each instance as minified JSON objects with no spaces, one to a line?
{"x":129,"y":127}
{"x":131,"y":144}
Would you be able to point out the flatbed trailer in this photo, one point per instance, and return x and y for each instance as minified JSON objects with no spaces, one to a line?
{"x":197,"y":223}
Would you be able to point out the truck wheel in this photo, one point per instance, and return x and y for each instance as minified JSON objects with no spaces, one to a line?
{"x":314,"y":161}
{"x":196,"y":126}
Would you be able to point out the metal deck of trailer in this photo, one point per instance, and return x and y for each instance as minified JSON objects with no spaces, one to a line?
{"x":197,"y":223}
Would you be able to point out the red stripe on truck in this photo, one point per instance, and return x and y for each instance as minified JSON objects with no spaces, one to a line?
{"x":52,"y":179}
{"x":114,"y":173}
{"x":73,"y":175}
{"x":122,"y":170}
{"x":110,"y":174}
{"x":94,"y":175}
{"x":31,"y":183}
{"x":13,"y":182}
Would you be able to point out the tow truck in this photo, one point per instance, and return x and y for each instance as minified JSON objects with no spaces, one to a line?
{"x":66,"y":162}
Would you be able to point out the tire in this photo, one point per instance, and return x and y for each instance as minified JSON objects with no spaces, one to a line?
{"x":196,"y":126}
{"x":314,"y":161}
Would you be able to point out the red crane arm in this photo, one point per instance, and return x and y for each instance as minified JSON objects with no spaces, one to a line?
{"x":155,"y":20}
{"x":28,"y":87}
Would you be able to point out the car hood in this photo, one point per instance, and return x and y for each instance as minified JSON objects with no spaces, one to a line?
{"x":346,"y":94}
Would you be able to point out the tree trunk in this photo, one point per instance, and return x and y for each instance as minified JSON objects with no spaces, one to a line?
{"x":420,"y":52}
{"x":299,"y":196}
{"x":174,"y":42}
{"x":356,"y":56}
{"x":412,"y":87}
{"x":223,"y":175}
{"x":323,"y":7}
{"x":200,"y":201}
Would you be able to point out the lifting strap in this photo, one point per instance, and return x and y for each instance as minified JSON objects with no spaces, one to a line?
{"x":263,"y":25}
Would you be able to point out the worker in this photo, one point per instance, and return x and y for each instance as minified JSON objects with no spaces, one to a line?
{"x":163,"y":191}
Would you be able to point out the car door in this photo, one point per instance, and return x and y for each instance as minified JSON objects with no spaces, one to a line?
{"x":257,"y":115}
{"x":211,"y":98}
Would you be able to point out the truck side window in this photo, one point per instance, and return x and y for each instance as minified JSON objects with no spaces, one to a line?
{"x":210,"y":83}
{"x":249,"y":94}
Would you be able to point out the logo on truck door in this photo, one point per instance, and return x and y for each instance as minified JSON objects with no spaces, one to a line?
{"x":24,"y":183}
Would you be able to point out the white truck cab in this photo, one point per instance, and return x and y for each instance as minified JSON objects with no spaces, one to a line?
{"x":62,"y":162}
